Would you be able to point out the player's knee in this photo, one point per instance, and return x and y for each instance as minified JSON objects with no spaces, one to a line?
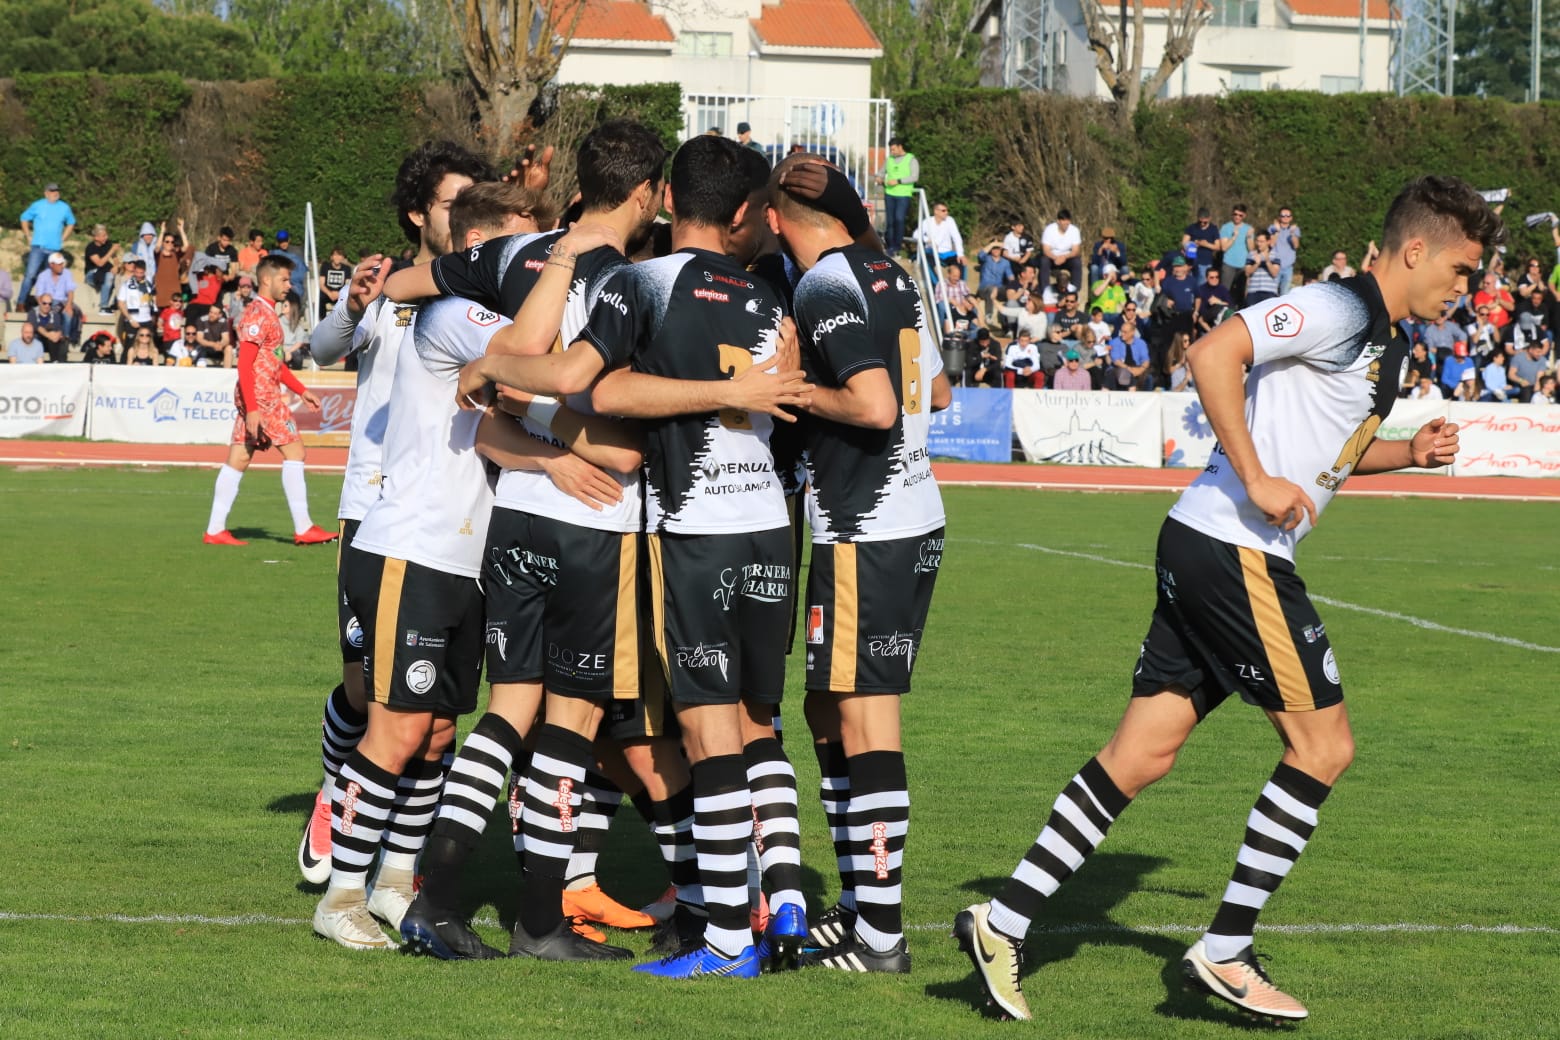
{"x":1132,"y":769}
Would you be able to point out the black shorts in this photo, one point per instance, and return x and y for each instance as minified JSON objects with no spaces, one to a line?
{"x":348,"y":631}
{"x":562,"y":606}
{"x":866,"y":608}
{"x":796,"y":505}
{"x":719,"y":606}
{"x":648,"y":715}
{"x":422,"y":632}
{"x":1229,"y":619}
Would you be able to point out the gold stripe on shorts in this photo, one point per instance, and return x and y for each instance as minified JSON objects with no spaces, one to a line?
{"x":387,"y":627}
{"x":625,"y":656}
{"x":1273,"y":630}
{"x":341,"y":542}
{"x":658,"y":604}
{"x":842,"y":655}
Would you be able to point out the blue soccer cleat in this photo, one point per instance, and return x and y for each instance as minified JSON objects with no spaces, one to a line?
{"x":704,"y":962}
{"x":782,"y":944}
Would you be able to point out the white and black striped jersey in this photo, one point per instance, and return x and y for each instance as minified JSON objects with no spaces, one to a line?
{"x":376,"y":341}
{"x":501,"y":273}
{"x":1327,"y":363}
{"x":436,"y":498}
{"x":697,"y":315}
{"x":857,"y":310}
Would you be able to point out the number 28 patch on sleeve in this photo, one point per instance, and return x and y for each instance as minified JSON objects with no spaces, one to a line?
{"x":1283,"y":321}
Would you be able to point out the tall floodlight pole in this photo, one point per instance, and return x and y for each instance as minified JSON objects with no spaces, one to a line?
{"x":1538,"y":17}
{"x":1364,"y":7}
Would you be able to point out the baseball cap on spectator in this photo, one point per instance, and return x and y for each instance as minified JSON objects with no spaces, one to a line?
{"x":244,"y":279}
{"x":1071,"y":355}
{"x":1178,"y":261}
{"x":1467,"y":377}
{"x":282,"y":236}
{"x":1460,"y":349}
{"x":744,"y":128}
{"x":1109,"y":269}
{"x":56,"y":258}
{"x":51,"y":186}
{"x":1107,"y":232}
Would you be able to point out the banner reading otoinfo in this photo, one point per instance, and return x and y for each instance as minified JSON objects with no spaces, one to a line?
{"x":1507,"y":440}
{"x":50,"y":399}
{"x":976,"y":427}
{"x":1089,"y":427}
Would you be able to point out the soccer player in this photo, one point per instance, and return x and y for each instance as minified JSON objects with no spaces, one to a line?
{"x":720,"y":567}
{"x":411,"y":575}
{"x":372,"y":328}
{"x":264,"y":419}
{"x":877,"y":525}
{"x":1232,"y":615}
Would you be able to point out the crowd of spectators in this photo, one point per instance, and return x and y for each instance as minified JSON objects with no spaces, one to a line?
{"x":1071,"y":312}
{"x":166,"y":302}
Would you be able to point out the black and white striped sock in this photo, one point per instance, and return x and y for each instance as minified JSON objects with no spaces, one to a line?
{"x":476,"y":778}
{"x":877,"y":821}
{"x":363,"y":797}
{"x":411,"y":818}
{"x":777,"y":834}
{"x":341,"y":727}
{"x":549,"y":818}
{"x":674,"y":834}
{"x":1277,"y":830}
{"x":599,"y":802}
{"x":834,"y":793}
{"x":1081,"y":816}
{"x":722,"y":828}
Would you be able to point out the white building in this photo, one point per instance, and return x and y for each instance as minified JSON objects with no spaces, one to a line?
{"x":1249,"y":45}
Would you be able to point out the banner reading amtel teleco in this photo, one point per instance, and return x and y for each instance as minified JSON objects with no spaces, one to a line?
{"x":50,"y":399}
{"x":1088,"y":427}
{"x":195,"y":405}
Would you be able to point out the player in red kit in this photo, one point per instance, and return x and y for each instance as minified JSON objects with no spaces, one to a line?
{"x":264,"y":419}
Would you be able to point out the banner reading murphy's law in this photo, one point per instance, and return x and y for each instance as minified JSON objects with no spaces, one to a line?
{"x":1089,"y":427}
{"x":49,"y":399}
{"x":976,"y":427}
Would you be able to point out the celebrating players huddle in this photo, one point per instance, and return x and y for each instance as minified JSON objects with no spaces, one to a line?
{"x":585,"y":472}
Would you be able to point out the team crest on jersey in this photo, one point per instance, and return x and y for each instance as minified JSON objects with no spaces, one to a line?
{"x":254,"y":331}
{"x":420,"y":676}
{"x":481,"y":316}
{"x":751,"y":306}
{"x":1284,"y":321}
{"x":403,"y":315}
{"x":411,"y":637}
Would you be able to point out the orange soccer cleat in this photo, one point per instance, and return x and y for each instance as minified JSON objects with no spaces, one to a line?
{"x":315,"y":535}
{"x":223,"y":538}
{"x":593,"y":904}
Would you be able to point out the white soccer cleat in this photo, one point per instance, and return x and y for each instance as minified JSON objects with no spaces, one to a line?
{"x":1240,"y":981}
{"x":388,"y":904}
{"x":351,"y":926}
{"x":998,"y":960}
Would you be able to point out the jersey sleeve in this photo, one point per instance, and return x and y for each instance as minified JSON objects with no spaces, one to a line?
{"x":472,"y":273}
{"x":617,"y":318}
{"x":1322,"y":323}
{"x":451,"y":333}
{"x":831,"y":317}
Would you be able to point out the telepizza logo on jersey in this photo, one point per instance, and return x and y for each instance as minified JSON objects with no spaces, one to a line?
{"x":1284,"y":321}
{"x":712,"y":295}
{"x":535,"y":265}
{"x":879,"y":285}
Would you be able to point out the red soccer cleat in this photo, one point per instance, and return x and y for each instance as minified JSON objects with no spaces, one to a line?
{"x":222,"y":538}
{"x":315,"y":535}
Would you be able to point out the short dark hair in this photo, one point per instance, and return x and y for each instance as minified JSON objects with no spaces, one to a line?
{"x":758,"y":170}
{"x":709,"y":183}
{"x":1064,"y":214}
{"x":488,"y":205}
{"x":1442,"y":210}
{"x":900,"y":141}
{"x":417,"y":181}
{"x":272,"y":262}
{"x":614,"y":159}
{"x":225,"y":230}
{"x":254,"y":233}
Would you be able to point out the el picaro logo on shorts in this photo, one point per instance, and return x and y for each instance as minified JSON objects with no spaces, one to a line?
{"x":498,"y":638}
{"x":764,"y":582}
{"x":420,"y":677}
{"x":929,"y":556}
{"x":711,"y":655}
{"x":895,"y":644}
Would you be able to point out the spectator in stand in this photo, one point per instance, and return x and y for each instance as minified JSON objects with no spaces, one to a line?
{"x":251,"y":253}
{"x":1200,"y":243}
{"x":1021,"y":364}
{"x":1420,"y":367}
{"x":171,"y":321}
{"x":1032,"y":319}
{"x":1177,"y":298}
{"x":242,"y":297}
{"x":102,"y":258}
{"x":57,"y":283}
{"x":1483,"y":335}
{"x":334,"y":276}
{"x":1467,"y":388}
{"x":1071,"y":376}
{"x":1372,"y":251}
{"x":939,"y":237}
{"x":1455,"y":369}
{"x":1497,"y":298}
{"x":1017,"y":246}
{"x":1141,"y":290}
{"x":1440,"y":336}
{"x":172,"y":267}
{"x":1545,"y":392}
{"x":295,"y":332}
{"x":985,"y":364}
{"x":1527,"y":368}
{"x":1131,"y":315}
{"x":1532,"y":300}
{"x":1211,"y":304}
{"x":1178,"y":374}
{"x":145,"y":246}
{"x":1235,"y":241}
{"x":899,"y":176}
{"x":951,"y":294}
{"x":1337,"y":268}
{"x":141,"y":350}
{"x":1096,"y":356}
{"x":1101,"y":328}
{"x":1108,"y":250}
{"x":1424,"y":390}
{"x":205,"y":284}
{"x":136,"y":299}
{"x":26,"y":348}
{"x":1262,"y":270}
{"x":1069,"y":317}
{"x":100,"y":349}
{"x":225,"y":247}
{"x":1061,"y":245}
{"x":1285,"y":234}
{"x":745,"y":138}
{"x":996,"y":274}
{"x":48,"y":224}
{"x":1129,"y":360}
{"x":1106,"y":293}
{"x":212,"y":336}
{"x":46,"y":319}
{"x":1052,"y":347}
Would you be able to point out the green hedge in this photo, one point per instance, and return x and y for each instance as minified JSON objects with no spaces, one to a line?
{"x":131,"y":148}
{"x":1338,"y":160}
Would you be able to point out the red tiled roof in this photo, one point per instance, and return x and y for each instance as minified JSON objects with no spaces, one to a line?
{"x":1317,"y":8}
{"x":628,"y":20}
{"x":815,"y":23}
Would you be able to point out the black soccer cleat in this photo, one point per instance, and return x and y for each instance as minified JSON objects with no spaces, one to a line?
{"x":854,"y":955}
{"x":679,"y":933}
{"x":563,"y":943}
{"x":435,"y":932}
{"x":832,"y":927}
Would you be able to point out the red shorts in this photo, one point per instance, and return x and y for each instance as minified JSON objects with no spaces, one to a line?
{"x":276,"y":427}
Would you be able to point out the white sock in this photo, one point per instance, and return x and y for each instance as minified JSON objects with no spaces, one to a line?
{"x":222,"y":498}
{"x":297,"y":495}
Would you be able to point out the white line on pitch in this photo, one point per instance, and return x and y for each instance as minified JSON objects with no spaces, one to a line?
{"x":1391,"y":615}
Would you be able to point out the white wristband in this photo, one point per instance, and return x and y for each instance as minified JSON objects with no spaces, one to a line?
{"x":542,"y":411}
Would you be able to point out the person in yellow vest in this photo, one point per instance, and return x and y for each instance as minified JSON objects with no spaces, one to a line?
{"x":898,"y":177}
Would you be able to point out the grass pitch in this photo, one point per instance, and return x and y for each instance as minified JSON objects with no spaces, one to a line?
{"x":159,"y":720}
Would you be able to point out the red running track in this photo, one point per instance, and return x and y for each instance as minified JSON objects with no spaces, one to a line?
{"x":30,"y":453}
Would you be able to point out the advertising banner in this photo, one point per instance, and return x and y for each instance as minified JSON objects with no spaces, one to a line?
{"x":51,"y":399}
{"x":1089,"y":427}
{"x":1189,"y":440}
{"x":162,"y":405}
{"x":1507,"y":440}
{"x":976,"y":427}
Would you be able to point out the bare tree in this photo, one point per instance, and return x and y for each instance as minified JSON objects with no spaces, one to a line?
{"x":512,"y":49}
{"x":1118,"y":51}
